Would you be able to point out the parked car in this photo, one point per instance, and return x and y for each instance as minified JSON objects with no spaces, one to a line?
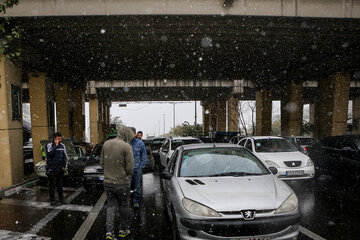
{"x":93,"y":172}
{"x":338,"y":156}
{"x":236,"y":139}
{"x":75,"y":162}
{"x":302,"y":142}
{"x":156,"y":143}
{"x":281,"y":154}
{"x":171,"y":144}
{"x":28,"y":158}
{"x":223,"y":191}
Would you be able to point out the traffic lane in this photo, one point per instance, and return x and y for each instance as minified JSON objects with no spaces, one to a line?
{"x":329,"y":209}
{"x":29,"y":214}
{"x":149,"y":222}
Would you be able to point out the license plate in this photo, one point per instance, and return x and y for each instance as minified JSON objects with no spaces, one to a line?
{"x":254,"y":238}
{"x":294,"y":173}
{"x":101,"y":178}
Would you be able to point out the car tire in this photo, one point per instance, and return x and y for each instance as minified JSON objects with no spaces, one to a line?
{"x":174,"y":230}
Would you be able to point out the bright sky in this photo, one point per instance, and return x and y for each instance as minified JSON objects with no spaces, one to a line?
{"x":149,"y":116}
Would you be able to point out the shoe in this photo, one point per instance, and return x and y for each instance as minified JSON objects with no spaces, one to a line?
{"x":136,"y":205}
{"x":124,"y":233}
{"x":109,"y":236}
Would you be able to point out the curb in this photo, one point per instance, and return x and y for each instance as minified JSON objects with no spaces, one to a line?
{"x":6,"y":192}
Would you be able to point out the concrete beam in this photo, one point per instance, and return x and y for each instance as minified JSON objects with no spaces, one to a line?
{"x":291,"y":8}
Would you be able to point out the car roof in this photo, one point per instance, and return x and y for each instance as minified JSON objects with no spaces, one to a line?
{"x":299,"y":137}
{"x":209,"y":145}
{"x":265,"y":137}
{"x":183,"y":138}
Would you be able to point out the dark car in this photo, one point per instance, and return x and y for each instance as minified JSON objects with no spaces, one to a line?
{"x":156,"y":143}
{"x":338,"y":156}
{"x":93,"y":172}
{"x":150,"y":164}
{"x":301,"y":142}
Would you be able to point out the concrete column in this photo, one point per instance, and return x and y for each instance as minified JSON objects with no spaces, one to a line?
{"x":218,"y":116}
{"x":332,"y":107}
{"x":292,"y":110}
{"x":101,"y":120}
{"x":42,"y":111}
{"x":263,"y":112}
{"x":206,"y":118}
{"x":312,"y":113}
{"x":94,"y":121}
{"x":78,"y":99}
{"x":62,"y":109}
{"x":233,"y":114}
{"x":356,"y":116}
{"x":11,"y":134}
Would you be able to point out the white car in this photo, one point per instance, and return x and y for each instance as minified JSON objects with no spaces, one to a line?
{"x":171,"y":144}
{"x":279,"y":153}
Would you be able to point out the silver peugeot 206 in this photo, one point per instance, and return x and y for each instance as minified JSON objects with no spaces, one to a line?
{"x":222,"y":191}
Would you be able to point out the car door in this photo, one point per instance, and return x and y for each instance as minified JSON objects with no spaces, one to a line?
{"x":76,"y":162}
{"x":163,"y":152}
{"x":347,"y":165}
{"x":168,"y":184}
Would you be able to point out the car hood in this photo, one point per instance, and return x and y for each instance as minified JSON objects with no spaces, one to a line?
{"x":41,"y":163}
{"x":278,"y":157}
{"x":237,"y":193}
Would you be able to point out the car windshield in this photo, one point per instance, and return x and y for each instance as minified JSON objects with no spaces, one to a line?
{"x":179,"y":142}
{"x":157,"y":143}
{"x":307,"y":141}
{"x":274,"y":145}
{"x":225,"y":161}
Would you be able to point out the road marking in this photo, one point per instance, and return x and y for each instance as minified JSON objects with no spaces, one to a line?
{"x":89,"y":221}
{"x":8,"y":235}
{"x":310,"y":234}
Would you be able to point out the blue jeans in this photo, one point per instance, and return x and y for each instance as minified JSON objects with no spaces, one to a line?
{"x":136,"y":184}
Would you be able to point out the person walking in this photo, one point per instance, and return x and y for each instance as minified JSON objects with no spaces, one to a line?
{"x":140,"y":159}
{"x":55,"y":167}
{"x":118,"y":163}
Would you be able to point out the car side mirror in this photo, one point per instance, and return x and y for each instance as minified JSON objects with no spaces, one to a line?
{"x":273,"y":170}
{"x":166,"y":175}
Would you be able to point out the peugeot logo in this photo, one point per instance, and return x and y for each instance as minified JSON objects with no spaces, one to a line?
{"x":248,"y":214}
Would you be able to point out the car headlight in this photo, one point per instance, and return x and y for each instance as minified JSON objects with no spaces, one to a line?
{"x":41,"y":168}
{"x":309,"y":163}
{"x":290,"y":204}
{"x":90,"y":170}
{"x":271,"y":164}
{"x":198,"y":209}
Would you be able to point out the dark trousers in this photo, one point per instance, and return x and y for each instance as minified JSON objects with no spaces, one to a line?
{"x":117,"y":206}
{"x":56,"y":180}
{"x":136,"y":184}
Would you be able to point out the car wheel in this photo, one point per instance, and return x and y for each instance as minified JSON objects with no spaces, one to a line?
{"x":174,"y":230}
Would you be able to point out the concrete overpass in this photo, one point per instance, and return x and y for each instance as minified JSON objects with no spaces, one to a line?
{"x":219,"y":52}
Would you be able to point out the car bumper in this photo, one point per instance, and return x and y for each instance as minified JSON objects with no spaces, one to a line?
{"x":282,"y":227}
{"x":93,"y":179}
{"x":306,"y":173}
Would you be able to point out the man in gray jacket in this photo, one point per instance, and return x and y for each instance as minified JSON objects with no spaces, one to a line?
{"x":118,"y":164}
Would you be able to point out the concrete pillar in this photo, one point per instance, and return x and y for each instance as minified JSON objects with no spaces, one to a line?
{"x":11,"y":134}
{"x":356,"y":116}
{"x":62,"y":109}
{"x":205,"y":117}
{"x":94,"y":120}
{"x":292,"y":110}
{"x":263,"y":112}
{"x":78,"y":100}
{"x":41,"y":93}
{"x":312,"y":113}
{"x":332,"y":107}
{"x":101,"y":121}
{"x":218,"y":116}
{"x":233,"y":114}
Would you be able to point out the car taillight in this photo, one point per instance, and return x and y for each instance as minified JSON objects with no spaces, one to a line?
{"x":305,"y":149}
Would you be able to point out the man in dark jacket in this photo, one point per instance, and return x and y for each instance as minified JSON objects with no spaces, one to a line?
{"x":56,"y":163}
{"x":118,"y":163}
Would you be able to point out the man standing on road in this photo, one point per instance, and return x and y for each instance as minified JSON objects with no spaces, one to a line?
{"x":139,"y":151}
{"x":118,"y":163}
{"x":139,"y":135}
{"x":55,"y":167}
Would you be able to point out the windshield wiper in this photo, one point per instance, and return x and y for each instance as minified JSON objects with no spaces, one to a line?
{"x":234,"y":174}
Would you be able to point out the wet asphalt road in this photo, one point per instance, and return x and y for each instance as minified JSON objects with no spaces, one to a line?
{"x":329,"y":210}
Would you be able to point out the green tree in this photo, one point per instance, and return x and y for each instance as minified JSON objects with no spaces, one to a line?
{"x":9,"y":32}
{"x":185,"y":129}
